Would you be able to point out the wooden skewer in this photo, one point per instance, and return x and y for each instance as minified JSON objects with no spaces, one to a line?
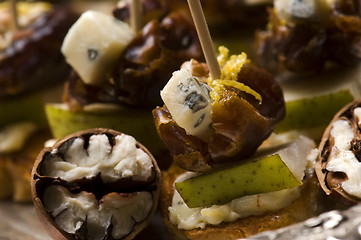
{"x":14,"y":15}
{"x":204,"y":38}
{"x":135,"y":15}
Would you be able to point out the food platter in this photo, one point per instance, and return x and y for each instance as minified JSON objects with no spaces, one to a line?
{"x":19,"y":220}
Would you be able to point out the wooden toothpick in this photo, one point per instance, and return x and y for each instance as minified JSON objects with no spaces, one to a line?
{"x":204,"y":38}
{"x":135,"y":13}
{"x":14,"y":15}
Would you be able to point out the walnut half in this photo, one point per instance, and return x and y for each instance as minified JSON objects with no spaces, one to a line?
{"x":338,"y":166}
{"x":95,"y":184}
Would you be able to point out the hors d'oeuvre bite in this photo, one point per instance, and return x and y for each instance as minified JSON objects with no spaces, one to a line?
{"x":137,"y":69}
{"x":218,"y":185}
{"x":118,"y":73}
{"x":205,"y":122}
{"x":95,"y":184}
{"x":304,"y":36}
{"x":311,"y":46}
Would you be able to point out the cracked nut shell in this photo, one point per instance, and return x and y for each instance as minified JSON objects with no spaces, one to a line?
{"x":331,"y":181}
{"x":95,"y":184}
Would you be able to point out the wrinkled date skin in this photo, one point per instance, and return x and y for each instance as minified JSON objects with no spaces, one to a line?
{"x":216,"y":12}
{"x":145,"y":66}
{"x":33,"y":60}
{"x":123,"y":188}
{"x":331,"y":181}
{"x":239,"y":124}
{"x":306,"y":46}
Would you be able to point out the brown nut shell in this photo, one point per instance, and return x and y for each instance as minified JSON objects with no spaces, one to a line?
{"x":125,"y":188}
{"x":331,"y":182}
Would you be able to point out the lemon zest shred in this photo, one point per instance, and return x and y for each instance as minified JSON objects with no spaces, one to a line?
{"x":222,"y":56}
{"x":230,"y":67}
{"x":233,"y":66}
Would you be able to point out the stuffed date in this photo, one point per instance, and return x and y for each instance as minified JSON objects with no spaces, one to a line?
{"x":304,"y":35}
{"x":217,"y":121}
{"x":144,"y":66}
{"x":31,"y":59}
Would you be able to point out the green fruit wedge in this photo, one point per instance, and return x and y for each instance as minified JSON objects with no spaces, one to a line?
{"x":265,"y":175}
{"x":276,"y":168}
{"x":136,"y":122}
{"x":313,"y":100}
{"x":27,"y":108}
{"x":313,"y":112}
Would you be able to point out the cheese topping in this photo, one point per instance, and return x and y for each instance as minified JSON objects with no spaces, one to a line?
{"x":189,"y":103}
{"x":292,"y":10}
{"x":342,"y":158}
{"x":94,"y":43}
{"x":123,"y":160}
{"x":189,"y":218}
{"x":296,"y":157}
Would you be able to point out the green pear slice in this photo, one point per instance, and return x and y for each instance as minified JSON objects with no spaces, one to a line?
{"x":28,"y":108}
{"x":312,"y":112}
{"x":312,"y":101}
{"x":280,"y":170}
{"x":136,"y":122}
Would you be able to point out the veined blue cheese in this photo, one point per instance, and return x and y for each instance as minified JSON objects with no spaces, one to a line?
{"x":94,"y":43}
{"x":189,"y":103}
{"x":289,"y":10}
{"x":342,"y":159}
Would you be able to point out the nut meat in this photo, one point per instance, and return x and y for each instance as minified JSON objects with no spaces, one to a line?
{"x":95,"y":184}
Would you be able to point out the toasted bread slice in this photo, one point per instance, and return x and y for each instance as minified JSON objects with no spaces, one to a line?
{"x":311,"y":203}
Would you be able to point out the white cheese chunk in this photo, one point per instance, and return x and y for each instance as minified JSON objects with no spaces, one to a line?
{"x":94,"y":43}
{"x":295,"y":155}
{"x":342,"y":159}
{"x":357,"y":113}
{"x":289,"y":10}
{"x":189,"y":103}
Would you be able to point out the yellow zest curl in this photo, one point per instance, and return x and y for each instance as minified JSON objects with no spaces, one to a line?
{"x":219,"y":85}
{"x":230,"y":68}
